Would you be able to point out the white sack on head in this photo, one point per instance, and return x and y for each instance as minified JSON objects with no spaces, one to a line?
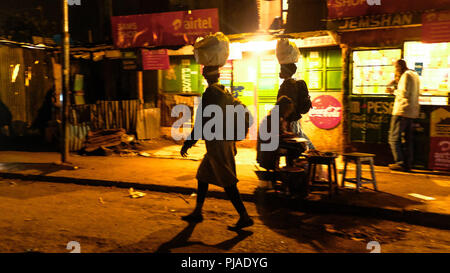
{"x":287,"y":52}
{"x":213,"y":50}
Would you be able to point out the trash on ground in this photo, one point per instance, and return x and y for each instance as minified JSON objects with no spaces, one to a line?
{"x":101,"y":200}
{"x":193,"y":194}
{"x":423,"y":197}
{"x":136,"y":194}
{"x":179,"y":195}
{"x":144,"y":154}
{"x":330,"y":228}
{"x":403,"y":229}
{"x":127,"y":138}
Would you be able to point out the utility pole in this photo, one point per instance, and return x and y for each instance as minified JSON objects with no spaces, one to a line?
{"x":65,"y":82}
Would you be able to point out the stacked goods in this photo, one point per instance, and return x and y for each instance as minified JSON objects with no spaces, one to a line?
{"x":287,"y":52}
{"x":213,"y":50}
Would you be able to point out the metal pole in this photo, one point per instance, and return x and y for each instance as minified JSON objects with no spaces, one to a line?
{"x":66,"y":83}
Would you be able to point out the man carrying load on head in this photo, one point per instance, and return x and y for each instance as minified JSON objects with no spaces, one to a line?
{"x":218,"y":166}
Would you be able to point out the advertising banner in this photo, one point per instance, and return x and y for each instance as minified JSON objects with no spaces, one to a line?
{"x":326,"y":112}
{"x":355,"y":8}
{"x":440,"y":140}
{"x":163,"y":29}
{"x":440,"y":153}
{"x":155,"y":59}
{"x":436,"y":27}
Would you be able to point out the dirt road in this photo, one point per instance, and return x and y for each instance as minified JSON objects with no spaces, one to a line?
{"x":44,"y":217}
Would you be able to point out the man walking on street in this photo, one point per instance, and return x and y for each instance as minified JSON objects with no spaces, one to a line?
{"x":406,"y":109}
{"x":218,"y":166}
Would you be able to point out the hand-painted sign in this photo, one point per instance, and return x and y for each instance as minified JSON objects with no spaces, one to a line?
{"x":326,"y":112}
{"x":355,"y":8}
{"x":436,"y":27}
{"x":163,"y":29}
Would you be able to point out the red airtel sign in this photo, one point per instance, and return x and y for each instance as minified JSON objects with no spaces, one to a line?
{"x":163,"y":29}
{"x":326,"y":112}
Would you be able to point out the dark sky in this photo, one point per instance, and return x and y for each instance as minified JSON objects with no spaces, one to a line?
{"x":91,"y":15}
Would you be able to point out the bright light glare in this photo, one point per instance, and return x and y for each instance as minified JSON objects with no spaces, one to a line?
{"x":257,"y":46}
{"x":235,"y":51}
{"x":15,"y":73}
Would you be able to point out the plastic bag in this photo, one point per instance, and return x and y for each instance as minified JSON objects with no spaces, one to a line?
{"x":213,"y":50}
{"x":287,"y":52}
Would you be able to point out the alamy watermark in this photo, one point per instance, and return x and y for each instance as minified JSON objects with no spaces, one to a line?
{"x":374,"y":246}
{"x":230,"y":125}
{"x":74,"y":246}
{"x":74,"y":2}
{"x":374,"y":2}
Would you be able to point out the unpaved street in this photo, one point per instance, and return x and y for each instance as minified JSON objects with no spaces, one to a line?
{"x":44,"y":217}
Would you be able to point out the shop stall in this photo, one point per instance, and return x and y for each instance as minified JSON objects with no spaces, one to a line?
{"x":252,"y":75}
{"x":375,"y":39}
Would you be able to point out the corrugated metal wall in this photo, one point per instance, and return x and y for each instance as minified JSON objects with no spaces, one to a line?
{"x":12,"y":94}
{"x":107,"y":115}
{"x":102,"y":115}
{"x":23,"y":95}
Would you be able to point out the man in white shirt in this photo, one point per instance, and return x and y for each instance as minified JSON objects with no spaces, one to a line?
{"x":406,"y":109}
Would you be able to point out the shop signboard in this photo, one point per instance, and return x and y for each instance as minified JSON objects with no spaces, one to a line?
{"x":163,"y":29}
{"x":436,"y":27}
{"x":182,"y":76}
{"x":370,"y":119}
{"x":440,"y":153}
{"x":130,"y":60}
{"x":155,"y":59}
{"x":326,"y":112}
{"x":440,"y":140}
{"x":376,"y":21}
{"x":355,"y":8}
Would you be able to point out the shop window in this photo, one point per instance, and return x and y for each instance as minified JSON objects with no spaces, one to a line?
{"x":373,"y":70}
{"x":321,"y":69}
{"x":432,"y":63}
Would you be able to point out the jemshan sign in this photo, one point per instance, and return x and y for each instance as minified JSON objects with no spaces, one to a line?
{"x":377,"y":21}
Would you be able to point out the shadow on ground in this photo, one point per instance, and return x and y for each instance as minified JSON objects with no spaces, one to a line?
{"x":367,"y":198}
{"x":42,"y":168}
{"x":323,"y":232}
{"x":19,"y":190}
{"x":26,"y":144}
{"x":182,"y":241}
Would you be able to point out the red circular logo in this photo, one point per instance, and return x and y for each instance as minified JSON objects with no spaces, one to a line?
{"x":326,"y":112}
